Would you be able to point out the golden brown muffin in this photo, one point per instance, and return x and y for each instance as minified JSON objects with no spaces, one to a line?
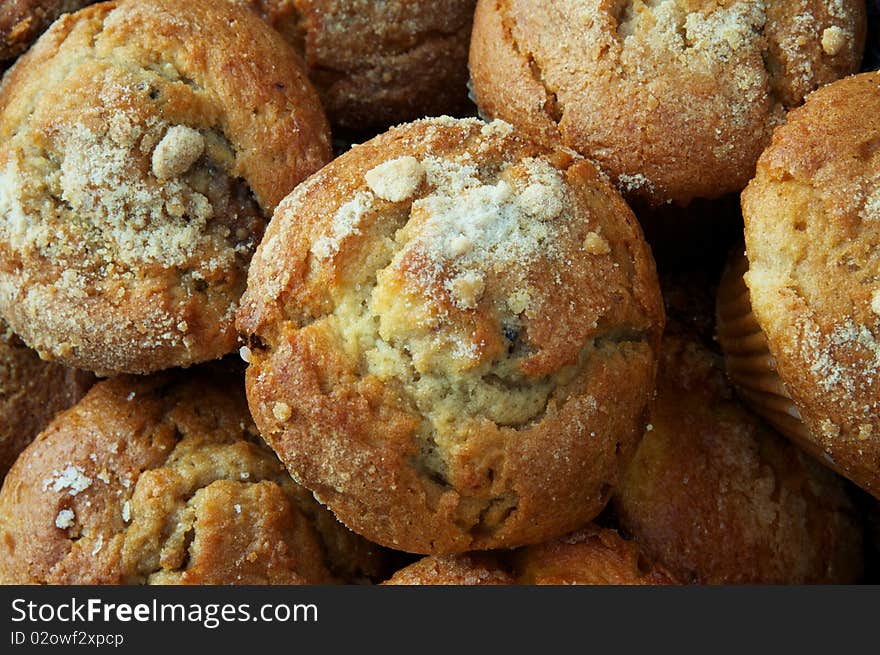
{"x":675,"y":99}
{"x":163,"y":480}
{"x":282,"y":15}
{"x":32,"y":392}
{"x":810,"y":324}
{"x":22,"y":21}
{"x":591,"y":556}
{"x":453,"y":336}
{"x":379,"y":63}
{"x":143,"y":144}
{"x":719,"y":498}
{"x":469,"y":569}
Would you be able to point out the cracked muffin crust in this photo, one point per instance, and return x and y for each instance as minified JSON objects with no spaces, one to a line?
{"x":142,"y":147}
{"x":801,"y":328}
{"x":452,"y":337}
{"x":22,"y":21}
{"x":675,"y":99}
{"x":590,"y":556}
{"x":720,"y":498}
{"x":164,"y":480}
{"x":32,"y":392}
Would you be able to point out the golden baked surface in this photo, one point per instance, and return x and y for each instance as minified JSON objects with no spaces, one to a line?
{"x":675,"y":99}
{"x":719,"y":498}
{"x":812,"y":228}
{"x":590,"y":556}
{"x":143,"y":144}
{"x":22,"y":21}
{"x":163,"y":480}
{"x":453,"y":336}
{"x":32,"y":392}
{"x":378,"y":63}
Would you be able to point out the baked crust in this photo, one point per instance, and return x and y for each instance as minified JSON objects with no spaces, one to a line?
{"x":674,"y":99}
{"x":720,"y":498}
{"x":377,"y":64}
{"x":143,"y":144}
{"x":163,"y":480}
{"x":811,"y":235}
{"x":22,"y":21}
{"x":590,"y":556}
{"x":32,"y":392}
{"x":466,"y":365}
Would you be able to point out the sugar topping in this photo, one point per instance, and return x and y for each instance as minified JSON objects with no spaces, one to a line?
{"x":345,"y":224}
{"x":832,"y":371}
{"x":397,"y":179}
{"x":479,"y":226}
{"x":875,"y":302}
{"x":629,"y":182}
{"x":72,"y":478}
{"x":871,"y":209}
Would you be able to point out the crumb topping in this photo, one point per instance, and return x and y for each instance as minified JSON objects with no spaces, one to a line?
{"x":475,"y":226}
{"x":72,"y":478}
{"x":595,"y":244}
{"x":833,"y":40}
{"x":177,"y":152}
{"x":65,"y":519}
{"x":397,"y":179}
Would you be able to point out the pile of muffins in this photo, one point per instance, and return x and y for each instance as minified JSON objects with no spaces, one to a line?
{"x":460,"y":292}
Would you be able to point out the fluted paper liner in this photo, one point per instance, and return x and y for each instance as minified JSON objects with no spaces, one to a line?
{"x":750,"y":364}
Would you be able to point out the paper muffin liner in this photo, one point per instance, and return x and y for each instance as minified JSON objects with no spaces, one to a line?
{"x":750,"y":365}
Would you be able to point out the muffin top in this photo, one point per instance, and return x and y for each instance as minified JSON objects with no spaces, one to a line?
{"x":675,"y":99}
{"x":143,"y":145}
{"x":163,"y":480}
{"x":452,"y":336}
{"x":720,"y":498}
{"x":812,"y":228}
{"x":590,"y":556}
{"x":22,"y":21}
{"x":377,"y":64}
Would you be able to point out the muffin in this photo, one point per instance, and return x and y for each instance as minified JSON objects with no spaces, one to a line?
{"x":676,"y":100}
{"x":143,"y":146}
{"x":591,"y":556}
{"x":22,"y":21}
{"x":452,"y":337}
{"x":800,"y":327}
{"x":719,"y":498}
{"x":32,"y":392}
{"x":164,"y":480}
{"x":377,"y":64}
